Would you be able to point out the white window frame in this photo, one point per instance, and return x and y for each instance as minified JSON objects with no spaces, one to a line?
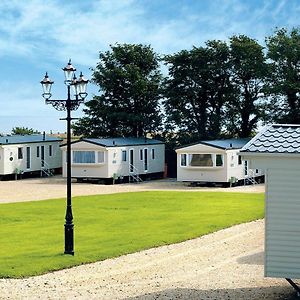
{"x":131,"y":163}
{"x":124,"y":151}
{"x":146,"y":160}
{"x":96,"y":156}
{"x":186,"y":159}
{"x":20,"y":153}
{"x":214,"y":159}
{"x":28,"y":158}
{"x":100,"y":162}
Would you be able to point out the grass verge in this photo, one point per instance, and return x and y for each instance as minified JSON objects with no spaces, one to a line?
{"x":31,"y":233}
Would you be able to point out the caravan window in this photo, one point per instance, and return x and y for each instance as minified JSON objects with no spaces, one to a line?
{"x":219,"y":160}
{"x":100,"y":157}
{"x":141,"y":154}
{"x":201,"y":160}
{"x":153,"y":153}
{"x":183,"y":160}
{"x":20,"y":153}
{"x":83,"y":157}
{"x":240,"y":160}
{"x":124,"y":155}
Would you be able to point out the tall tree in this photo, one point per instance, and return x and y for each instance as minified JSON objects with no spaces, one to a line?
{"x":284,"y":84}
{"x":129,"y":81}
{"x":249,"y":71}
{"x":196,"y":91}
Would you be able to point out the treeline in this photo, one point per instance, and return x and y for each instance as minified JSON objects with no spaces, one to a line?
{"x":222,"y":89}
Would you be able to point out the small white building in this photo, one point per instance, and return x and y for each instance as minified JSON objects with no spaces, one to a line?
{"x":277,"y":149}
{"x":121,"y":159}
{"x":215,"y":161}
{"x":35,"y":154}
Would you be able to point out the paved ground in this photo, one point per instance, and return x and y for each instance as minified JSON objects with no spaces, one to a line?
{"x":227,"y":264}
{"x":55,"y":187}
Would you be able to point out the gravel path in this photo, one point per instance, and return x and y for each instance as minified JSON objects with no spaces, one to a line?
{"x":55,"y":187}
{"x":227,"y":264}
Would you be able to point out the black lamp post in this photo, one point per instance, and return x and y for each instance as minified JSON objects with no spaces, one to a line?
{"x":79,"y":88}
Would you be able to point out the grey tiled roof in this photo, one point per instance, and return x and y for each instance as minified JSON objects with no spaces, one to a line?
{"x":228,"y":143}
{"x":25,"y":139}
{"x":277,"y":138}
{"x":115,"y":142}
{"x":222,"y":144}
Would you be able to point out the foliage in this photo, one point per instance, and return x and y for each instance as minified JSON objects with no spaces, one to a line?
{"x":249,"y":71}
{"x":23,"y":131}
{"x":31,"y":233}
{"x":221,"y":89}
{"x":129,"y":80}
{"x":196,"y":90}
{"x":284,"y":82}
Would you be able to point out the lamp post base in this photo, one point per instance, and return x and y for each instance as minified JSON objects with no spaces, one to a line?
{"x":69,"y":239}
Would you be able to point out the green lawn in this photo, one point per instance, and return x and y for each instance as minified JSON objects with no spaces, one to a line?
{"x":31,"y":233}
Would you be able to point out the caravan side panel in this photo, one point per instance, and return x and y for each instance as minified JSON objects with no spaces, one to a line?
{"x":198,"y":174}
{"x":86,"y":170}
{"x":282,"y":249}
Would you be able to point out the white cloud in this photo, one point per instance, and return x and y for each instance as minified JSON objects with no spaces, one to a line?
{"x":44,"y":34}
{"x":56,"y":30}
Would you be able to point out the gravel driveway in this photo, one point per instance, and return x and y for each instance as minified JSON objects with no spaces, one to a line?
{"x":227,"y":264}
{"x":55,"y":187}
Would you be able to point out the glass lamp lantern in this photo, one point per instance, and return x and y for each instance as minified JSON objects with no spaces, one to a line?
{"x":69,"y":71}
{"x":81,"y":86}
{"x":47,"y":84}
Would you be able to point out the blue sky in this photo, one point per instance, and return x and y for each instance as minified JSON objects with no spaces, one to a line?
{"x":41,"y":35}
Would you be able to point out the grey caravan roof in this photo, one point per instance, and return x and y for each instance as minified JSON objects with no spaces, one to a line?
{"x":118,"y":142}
{"x":277,"y":138}
{"x":223,"y":144}
{"x":26,"y":139}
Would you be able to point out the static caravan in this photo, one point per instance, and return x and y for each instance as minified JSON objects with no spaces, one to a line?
{"x":26,"y":155}
{"x":116,"y":159}
{"x":277,"y":149}
{"x":215,"y":161}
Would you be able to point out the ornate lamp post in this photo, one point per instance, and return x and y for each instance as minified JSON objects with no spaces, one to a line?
{"x":79,"y":89}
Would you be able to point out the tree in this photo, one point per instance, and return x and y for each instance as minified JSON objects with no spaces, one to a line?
{"x":249,"y":71}
{"x":23,"y":131}
{"x":129,"y":81}
{"x":284,"y":82}
{"x":196,"y":90}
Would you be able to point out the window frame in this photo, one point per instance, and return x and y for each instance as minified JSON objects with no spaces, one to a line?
{"x":100,"y":162}
{"x":185,"y":155}
{"x":240,"y":161}
{"x":188,"y":158}
{"x":153,"y":154}
{"x":141,"y":154}
{"x":123,"y":155}
{"x":96,"y":157}
{"x":28,"y":157}
{"x":20,"y":153}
